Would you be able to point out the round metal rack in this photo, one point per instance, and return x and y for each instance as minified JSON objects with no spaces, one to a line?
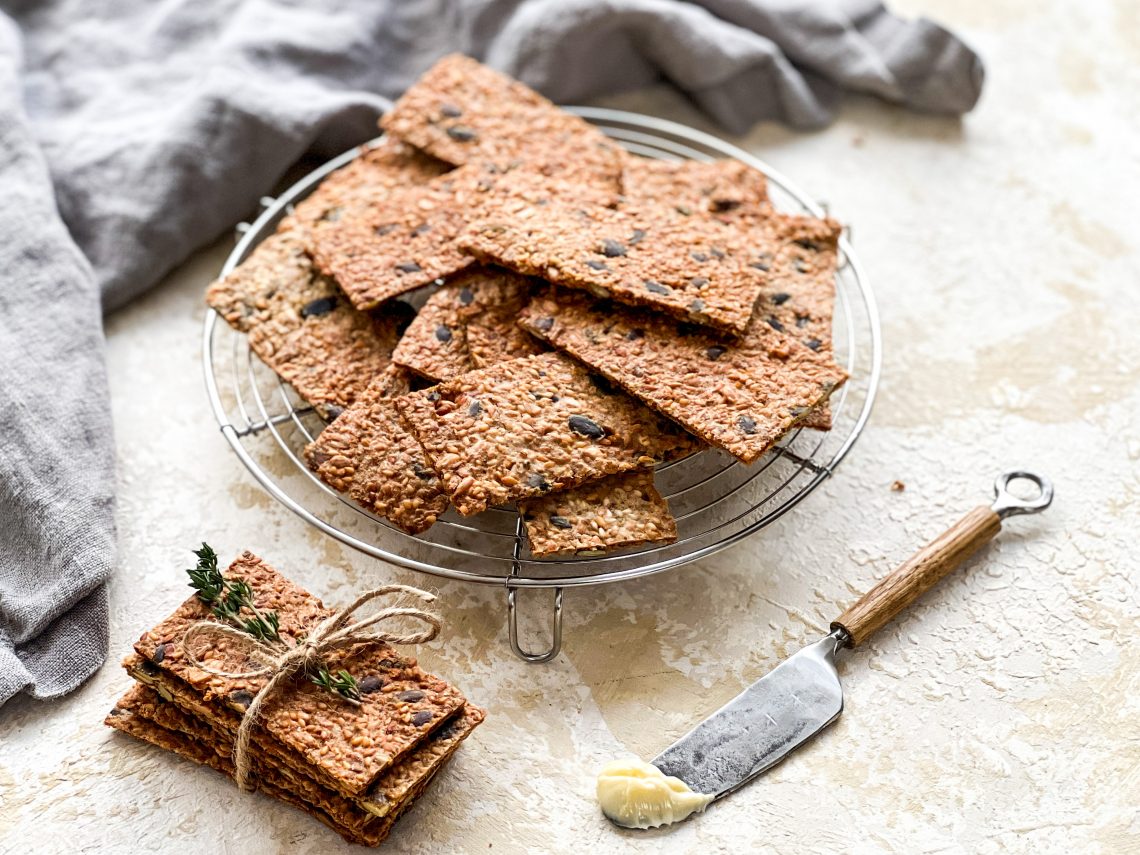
{"x":716,"y":500}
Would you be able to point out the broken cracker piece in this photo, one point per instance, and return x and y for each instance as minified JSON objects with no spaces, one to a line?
{"x":601,"y":516}
{"x":435,"y":344}
{"x":303,"y":328}
{"x":370,"y":454}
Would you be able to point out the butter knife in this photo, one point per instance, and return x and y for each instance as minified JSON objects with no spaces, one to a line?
{"x":801,"y":696}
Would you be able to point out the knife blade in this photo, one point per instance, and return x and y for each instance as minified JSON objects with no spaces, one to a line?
{"x":762,"y":725}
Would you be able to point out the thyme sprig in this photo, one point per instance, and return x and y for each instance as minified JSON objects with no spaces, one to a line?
{"x":227,"y":597}
{"x":343,"y":683}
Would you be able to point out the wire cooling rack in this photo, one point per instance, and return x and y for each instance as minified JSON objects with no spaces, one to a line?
{"x":716,"y":500}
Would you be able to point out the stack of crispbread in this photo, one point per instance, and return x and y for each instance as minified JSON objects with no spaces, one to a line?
{"x":682,"y":308}
{"x":355,"y":766}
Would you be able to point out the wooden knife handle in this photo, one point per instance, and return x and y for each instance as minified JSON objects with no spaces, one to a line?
{"x":907,"y":583}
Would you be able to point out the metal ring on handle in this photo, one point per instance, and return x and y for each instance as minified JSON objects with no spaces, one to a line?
{"x":1006,"y":504}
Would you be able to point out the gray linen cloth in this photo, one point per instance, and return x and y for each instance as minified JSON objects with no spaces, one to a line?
{"x":133,"y":132}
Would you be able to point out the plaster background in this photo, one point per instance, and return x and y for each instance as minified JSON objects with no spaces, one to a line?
{"x":999,"y":715}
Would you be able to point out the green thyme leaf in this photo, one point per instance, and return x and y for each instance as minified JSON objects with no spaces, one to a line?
{"x":205,"y":578}
{"x":343,"y":683}
{"x":227,"y":597}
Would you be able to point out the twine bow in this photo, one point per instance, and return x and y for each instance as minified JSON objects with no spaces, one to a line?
{"x":280,"y":662}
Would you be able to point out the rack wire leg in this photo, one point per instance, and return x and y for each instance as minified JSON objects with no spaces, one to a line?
{"x":555,"y":629}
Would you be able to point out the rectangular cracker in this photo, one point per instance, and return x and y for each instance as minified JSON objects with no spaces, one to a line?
{"x":601,"y":516}
{"x":463,"y":112}
{"x":401,"y":243}
{"x":370,"y":454}
{"x":693,"y":187}
{"x":411,"y":237}
{"x":301,"y":326}
{"x":741,"y":395}
{"x":800,"y":292}
{"x":435,"y":343}
{"x":374,"y":174}
{"x":141,"y":702}
{"x":125,"y":718}
{"x":693,"y":268}
{"x":182,"y":709}
{"x":529,"y":426}
{"x":308,"y":722}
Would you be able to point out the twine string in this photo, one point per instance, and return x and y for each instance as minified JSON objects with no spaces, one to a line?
{"x":280,"y":661}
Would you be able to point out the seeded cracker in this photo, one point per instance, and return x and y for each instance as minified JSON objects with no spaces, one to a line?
{"x":799,"y":295}
{"x":172,"y":706}
{"x":694,"y":187}
{"x":464,"y":112}
{"x":685,"y":266}
{"x":410,"y":238}
{"x":126,"y":718}
{"x":532,"y":426}
{"x":740,"y":396}
{"x":301,"y":326}
{"x":372,"y":176}
{"x":435,"y":344}
{"x":347,"y":748}
{"x":616,"y":512}
{"x":489,"y":344}
{"x":370,"y":454}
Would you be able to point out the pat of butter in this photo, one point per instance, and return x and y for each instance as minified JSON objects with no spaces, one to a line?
{"x":636,"y":794}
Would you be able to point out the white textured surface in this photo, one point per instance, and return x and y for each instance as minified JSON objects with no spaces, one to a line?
{"x":999,"y":715}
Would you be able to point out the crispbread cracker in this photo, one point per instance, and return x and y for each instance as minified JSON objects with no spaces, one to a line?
{"x":462,"y":112}
{"x":389,"y":722}
{"x":370,"y":454}
{"x":741,"y":396}
{"x":799,"y":294}
{"x":435,"y":343}
{"x":374,"y":174}
{"x":601,"y":516}
{"x":301,"y":326}
{"x":697,"y":269}
{"x":693,"y":186}
{"x":411,"y":237}
{"x":530,"y":426}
